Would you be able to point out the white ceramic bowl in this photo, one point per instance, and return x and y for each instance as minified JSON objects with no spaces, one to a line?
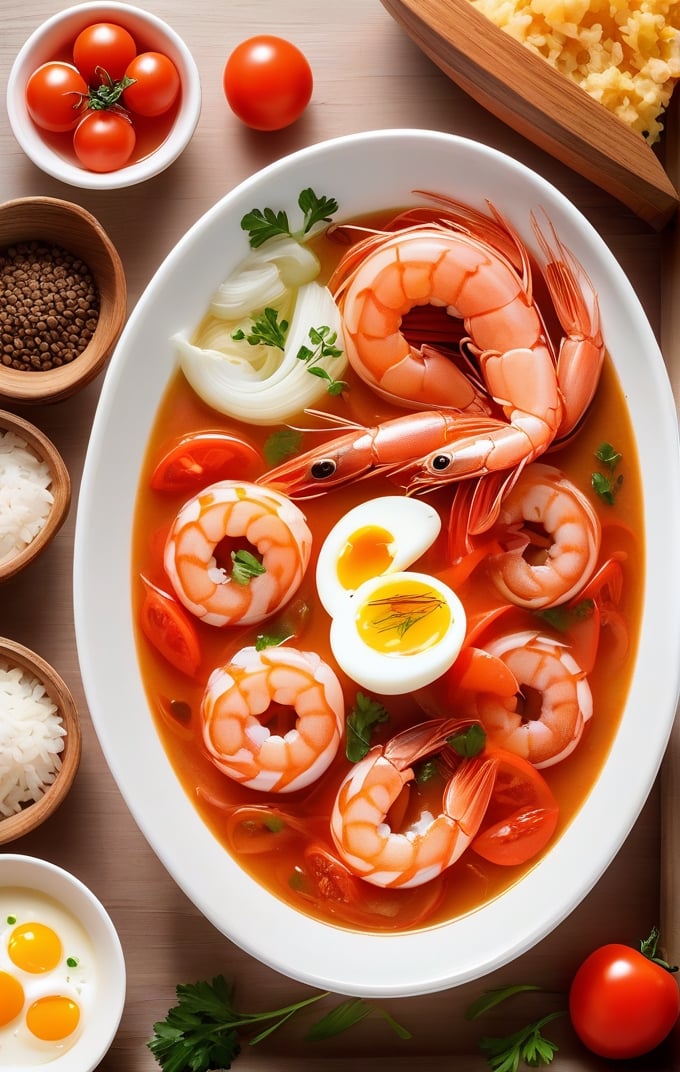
{"x":57,"y":34}
{"x":101,"y":1016}
{"x":367,"y":172}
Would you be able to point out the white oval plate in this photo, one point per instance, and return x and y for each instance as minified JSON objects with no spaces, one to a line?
{"x":366,"y":172}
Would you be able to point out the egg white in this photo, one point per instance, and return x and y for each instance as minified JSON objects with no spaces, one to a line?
{"x":393,"y":673}
{"x":413,"y":524}
{"x":19,"y":1049}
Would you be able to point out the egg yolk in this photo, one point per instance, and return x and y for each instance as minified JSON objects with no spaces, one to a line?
{"x":11,"y":998}
{"x":403,"y":617}
{"x":366,"y":554}
{"x":34,"y":947}
{"x":52,"y":1018}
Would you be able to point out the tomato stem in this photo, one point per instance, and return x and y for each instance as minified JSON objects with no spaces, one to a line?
{"x":648,"y":948}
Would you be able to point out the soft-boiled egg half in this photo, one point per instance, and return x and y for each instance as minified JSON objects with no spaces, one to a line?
{"x":47,"y":978}
{"x":393,"y":630}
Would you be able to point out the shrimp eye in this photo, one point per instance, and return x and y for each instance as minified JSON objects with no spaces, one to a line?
{"x":440,"y":462}
{"x":323,"y":469}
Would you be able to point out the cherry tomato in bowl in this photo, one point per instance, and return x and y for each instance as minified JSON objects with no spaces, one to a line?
{"x":56,"y":94}
{"x":103,"y":51}
{"x":522,"y":814}
{"x":201,"y":458}
{"x":155,"y":84}
{"x":104,"y":141}
{"x":623,"y":1002}
{"x":268,"y":82}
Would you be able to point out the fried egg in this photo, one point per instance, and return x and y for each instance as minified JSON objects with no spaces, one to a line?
{"x":383,"y":535}
{"x":47,"y":978}
{"x":398,"y":632}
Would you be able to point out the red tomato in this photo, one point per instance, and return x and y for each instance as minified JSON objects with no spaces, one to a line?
{"x":167,"y":627}
{"x":621,"y":1003}
{"x":104,"y":141}
{"x":203,"y":458}
{"x":267,"y":82}
{"x":155,"y":86}
{"x":56,"y":95}
{"x":522,"y":814}
{"x":103,"y":49}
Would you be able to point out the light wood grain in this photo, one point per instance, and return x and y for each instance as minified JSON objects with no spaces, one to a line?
{"x":368,"y":75}
{"x":539,"y":103}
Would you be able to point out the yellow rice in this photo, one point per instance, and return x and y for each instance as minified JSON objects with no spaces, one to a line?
{"x":624,"y":53}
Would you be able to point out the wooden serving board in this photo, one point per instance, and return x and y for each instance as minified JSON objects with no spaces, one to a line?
{"x":538,"y":102}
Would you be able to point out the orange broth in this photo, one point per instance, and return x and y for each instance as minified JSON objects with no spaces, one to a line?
{"x":174,"y":699}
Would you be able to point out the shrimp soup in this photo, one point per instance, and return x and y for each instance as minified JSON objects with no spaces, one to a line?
{"x":280,"y":738}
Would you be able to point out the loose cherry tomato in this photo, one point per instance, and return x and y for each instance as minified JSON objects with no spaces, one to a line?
{"x":267,"y":82}
{"x":103,"y":49}
{"x":203,"y":458}
{"x":155,"y":85}
{"x":104,"y":141}
{"x":522,"y":814}
{"x":622,"y":1003}
{"x":167,"y":627}
{"x":56,"y":94}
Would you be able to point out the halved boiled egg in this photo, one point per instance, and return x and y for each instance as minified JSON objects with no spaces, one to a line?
{"x":379,"y":536}
{"x":398,"y":632}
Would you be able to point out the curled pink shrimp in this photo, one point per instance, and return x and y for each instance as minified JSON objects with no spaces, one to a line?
{"x":360,"y":818}
{"x":258,"y":690}
{"x":258,"y":521}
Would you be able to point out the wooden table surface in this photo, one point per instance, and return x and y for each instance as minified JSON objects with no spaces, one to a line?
{"x":368,"y":75}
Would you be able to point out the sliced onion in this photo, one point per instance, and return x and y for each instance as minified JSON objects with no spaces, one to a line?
{"x":261,"y":384}
{"x":263,"y":278}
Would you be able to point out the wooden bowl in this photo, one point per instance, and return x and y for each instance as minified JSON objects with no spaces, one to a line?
{"x":60,"y":487}
{"x":73,"y":229}
{"x":32,"y":815}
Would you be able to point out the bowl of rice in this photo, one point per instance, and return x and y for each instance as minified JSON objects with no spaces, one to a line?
{"x":35,"y":493}
{"x":40,"y":741}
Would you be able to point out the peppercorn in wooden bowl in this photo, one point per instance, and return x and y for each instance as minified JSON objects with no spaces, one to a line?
{"x":35,"y":494}
{"x":64,"y":299}
{"x":40,"y":723}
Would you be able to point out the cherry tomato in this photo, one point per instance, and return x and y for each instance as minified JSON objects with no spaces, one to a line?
{"x":56,"y":95}
{"x":167,"y":627}
{"x":103,"y":49}
{"x":156,"y":84}
{"x":203,"y":458}
{"x":104,"y":141}
{"x":621,"y":1003}
{"x":267,"y":82}
{"x":522,"y":814}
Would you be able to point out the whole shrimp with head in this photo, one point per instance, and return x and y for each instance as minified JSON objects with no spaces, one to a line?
{"x":362,"y":812}
{"x":515,"y":394}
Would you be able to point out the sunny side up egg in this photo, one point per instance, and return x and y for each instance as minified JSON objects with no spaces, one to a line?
{"x":392,"y":630}
{"x":47,"y":979}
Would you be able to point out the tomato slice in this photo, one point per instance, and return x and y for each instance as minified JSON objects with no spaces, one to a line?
{"x":167,"y":627}
{"x":522,"y":814}
{"x":204,"y":457}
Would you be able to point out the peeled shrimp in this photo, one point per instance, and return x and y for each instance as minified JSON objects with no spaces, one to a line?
{"x":255,"y":519}
{"x":551,"y":538}
{"x":360,"y":817}
{"x":544,"y":720}
{"x":241,"y":697}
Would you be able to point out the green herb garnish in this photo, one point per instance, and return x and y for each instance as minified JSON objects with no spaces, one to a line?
{"x":245,"y":566}
{"x":266,"y":330}
{"x":469,"y":742}
{"x":72,"y":962}
{"x":528,"y":1045}
{"x":323,"y":345}
{"x":281,"y":444}
{"x":563,"y":617}
{"x":366,"y":714}
{"x":202,"y":1031}
{"x":263,"y":224}
{"x":606,"y":485}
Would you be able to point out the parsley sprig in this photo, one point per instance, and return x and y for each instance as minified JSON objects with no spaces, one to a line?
{"x":263,"y":224}
{"x":245,"y":566}
{"x":268,"y":330}
{"x":366,"y":714}
{"x":606,"y":484}
{"x":204,"y":1030}
{"x":528,"y":1046}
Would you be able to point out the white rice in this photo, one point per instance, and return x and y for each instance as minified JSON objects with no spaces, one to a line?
{"x":31,"y":738}
{"x":25,"y":498}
